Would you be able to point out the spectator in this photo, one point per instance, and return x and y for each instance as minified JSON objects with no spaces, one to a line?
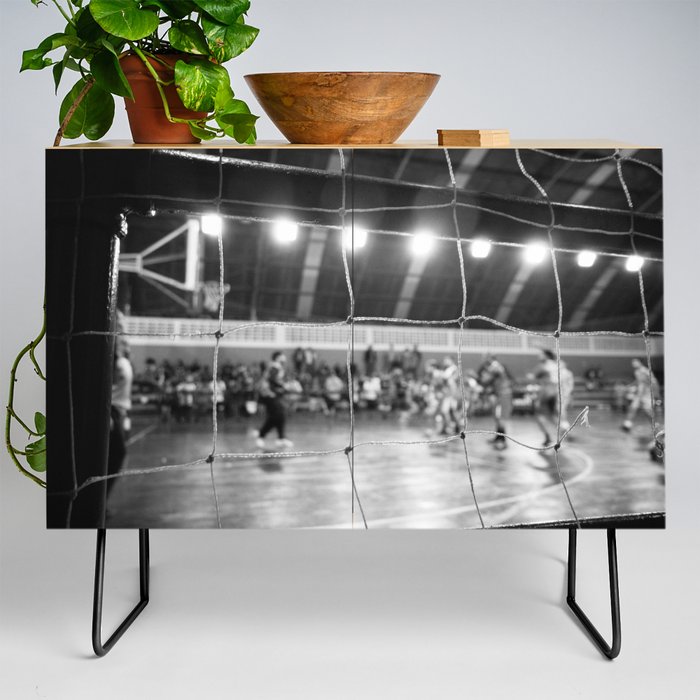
{"x":370,"y":361}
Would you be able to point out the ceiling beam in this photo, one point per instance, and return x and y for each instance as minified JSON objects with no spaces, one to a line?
{"x":596,"y":179}
{"x":513,"y":292}
{"x":580,"y":196}
{"x":649,"y":201}
{"x":309,"y":275}
{"x":467,"y":166}
{"x":410,"y":286}
{"x":580,"y":314}
{"x":567,"y":165}
{"x":314,"y":256}
{"x":403,"y":165}
{"x":463,"y":173}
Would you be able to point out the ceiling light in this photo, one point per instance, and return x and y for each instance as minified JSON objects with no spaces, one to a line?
{"x":212,"y":224}
{"x":422,"y":243}
{"x":634,"y":263}
{"x":535,"y":253}
{"x":480,"y":248}
{"x":285,"y":231}
{"x":356,"y":236}
{"x":586,"y":258}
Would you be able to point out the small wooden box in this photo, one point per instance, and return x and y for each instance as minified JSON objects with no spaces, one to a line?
{"x":475,"y":138}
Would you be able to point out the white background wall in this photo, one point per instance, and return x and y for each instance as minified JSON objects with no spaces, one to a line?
{"x":382,"y":615}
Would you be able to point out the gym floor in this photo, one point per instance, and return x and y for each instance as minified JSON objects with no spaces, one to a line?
{"x":421,"y":485}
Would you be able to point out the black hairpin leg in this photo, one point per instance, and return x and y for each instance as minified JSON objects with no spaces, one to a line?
{"x":100,"y":648}
{"x":610,"y":651}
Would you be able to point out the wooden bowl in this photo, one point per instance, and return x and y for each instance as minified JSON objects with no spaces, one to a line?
{"x":353,"y":108}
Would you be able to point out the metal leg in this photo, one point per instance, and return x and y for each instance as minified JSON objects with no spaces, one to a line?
{"x":609,"y":651}
{"x":100,"y":648}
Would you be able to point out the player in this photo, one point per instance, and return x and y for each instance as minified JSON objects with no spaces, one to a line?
{"x":495,"y":378}
{"x":370,"y":390}
{"x":120,"y":423}
{"x":217,"y":388}
{"x":546,"y":405}
{"x":185,"y":391}
{"x":333,"y":387}
{"x":271,"y":389}
{"x":446,"y":388}
{"x":567,"y":381}
{"x":644,"y":384}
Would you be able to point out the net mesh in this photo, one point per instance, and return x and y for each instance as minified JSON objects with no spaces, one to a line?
{"x":345,"y":221}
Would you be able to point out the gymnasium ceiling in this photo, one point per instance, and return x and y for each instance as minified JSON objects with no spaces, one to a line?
{"x":305,"y":280}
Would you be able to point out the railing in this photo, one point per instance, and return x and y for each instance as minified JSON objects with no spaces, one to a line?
{"x":155,"y":331}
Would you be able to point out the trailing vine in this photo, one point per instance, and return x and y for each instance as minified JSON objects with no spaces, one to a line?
{"x":34,"y":453}
{"x":94,"y":37}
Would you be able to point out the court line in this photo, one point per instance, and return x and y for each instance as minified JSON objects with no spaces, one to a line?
{"x":141,"y":434}
{"x":589,"y":465}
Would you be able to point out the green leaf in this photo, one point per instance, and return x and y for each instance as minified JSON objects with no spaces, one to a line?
{"x":57,"y":72}
{"x":228,"y":41}
{"x":175,"y":9}
{"x":92,"y":117}
{"x":201,"y":131}
{"x":124,"y":18}
{"x":252,"y":137}
{"x":188,"y":36}
{"x":224,"y":11}
{"x":36,"y":455}
{"x":243,"y":132}
{"x":40,"y":423}
{"x":35,"y":59}
{"x":223,"y":96}
{"x":86,"y":27}
{"x":198,"y":82}
{"x":113,"y":44}
{"x":66,"y":62}
{"x":233,"y":111}
{"x":108,"y":74}
{"x":79,"y":53}
{"x":238,"y":123}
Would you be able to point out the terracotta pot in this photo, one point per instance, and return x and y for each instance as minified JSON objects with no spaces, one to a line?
{"x":354,"y":108}
{"x":147,"y":119}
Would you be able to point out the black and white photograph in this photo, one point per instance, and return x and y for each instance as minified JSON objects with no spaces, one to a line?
{"x":356,"y":338}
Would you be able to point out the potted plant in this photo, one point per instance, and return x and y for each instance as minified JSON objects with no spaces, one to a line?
{"x":164,"y":57}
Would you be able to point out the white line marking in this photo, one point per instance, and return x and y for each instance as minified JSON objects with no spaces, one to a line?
{"x":141,"y":434}
{"x":587,"y":469}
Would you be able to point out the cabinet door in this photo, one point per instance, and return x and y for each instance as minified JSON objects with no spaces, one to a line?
{"x":380,"y":337}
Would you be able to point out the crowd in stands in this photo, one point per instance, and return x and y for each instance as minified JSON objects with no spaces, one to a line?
{"x":398,"y":381}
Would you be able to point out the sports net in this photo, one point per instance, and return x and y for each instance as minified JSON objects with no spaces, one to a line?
{"x":345,"y":212}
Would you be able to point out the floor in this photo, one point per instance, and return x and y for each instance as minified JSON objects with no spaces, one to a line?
{"x":399,"y":485}
{"x":347,"y":615}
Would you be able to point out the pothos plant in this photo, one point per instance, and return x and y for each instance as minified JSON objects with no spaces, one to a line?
{"x":34,"y":454}
{"x":98,"y":32}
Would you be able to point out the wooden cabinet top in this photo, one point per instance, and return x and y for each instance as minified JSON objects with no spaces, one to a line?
{"x":228,"y":144}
